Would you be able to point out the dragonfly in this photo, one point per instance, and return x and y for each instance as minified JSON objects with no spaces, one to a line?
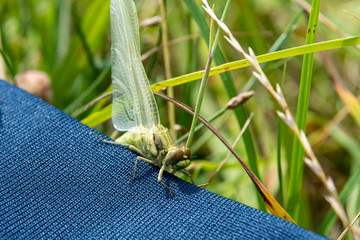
{"x":134,"y":108}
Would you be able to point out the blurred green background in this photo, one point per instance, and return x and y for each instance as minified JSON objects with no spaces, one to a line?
{"x":70,"y":41}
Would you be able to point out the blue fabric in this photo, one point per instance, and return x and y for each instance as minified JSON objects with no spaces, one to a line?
{"x":59,"y":182}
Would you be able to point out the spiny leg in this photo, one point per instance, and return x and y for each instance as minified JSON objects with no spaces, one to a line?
{"x":162,"y":169}
{"x":105,"y":141}
{"x":136,"y":150}
{"x":139,"y":158}
{"x":131,"y":147}
{"x":188,"y":174}
{"x":185,"y":173}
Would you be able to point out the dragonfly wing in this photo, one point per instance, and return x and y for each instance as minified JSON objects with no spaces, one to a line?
{"x":133,"y":102}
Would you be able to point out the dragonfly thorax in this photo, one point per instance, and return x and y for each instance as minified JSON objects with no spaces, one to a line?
{"x":157,"y":145}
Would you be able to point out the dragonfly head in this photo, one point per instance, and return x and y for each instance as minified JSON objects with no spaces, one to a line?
{"x":178,"y":158}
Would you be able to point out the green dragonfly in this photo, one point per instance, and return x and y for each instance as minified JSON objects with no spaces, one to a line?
{"x":134,"y":108}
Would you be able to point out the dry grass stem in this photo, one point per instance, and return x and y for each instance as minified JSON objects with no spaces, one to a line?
{"x":313,"y":163}
{"x":95,"y":101}
{"x":229,"y":153}
{"x":239,"y":99}
{"x":153,"y":50}
{"x":350,"y":227}
{"x":149,"y":22}
{"x":352,"y":14}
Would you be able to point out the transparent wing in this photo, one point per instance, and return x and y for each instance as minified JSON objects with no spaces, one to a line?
{"x":133,"y":102}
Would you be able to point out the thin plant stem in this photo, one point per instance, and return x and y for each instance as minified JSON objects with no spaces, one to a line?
{"x":155,"y":49}
{"x":201,"y":126}
{"x":71,"y":108}
{"x":8,"y":64}
{"x":165,"y":44}
{"x":233,"y":103}
{"x":228,"y":154}
{"x":297,"y":164}
{"x":349,"y":227}
{"x":84,"y":41}
{"x":279,"y":140}
{"x":96,"y":100}
{"x":205,"y":80}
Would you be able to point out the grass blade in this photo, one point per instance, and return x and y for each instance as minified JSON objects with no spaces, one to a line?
{"x":297,"y":163}
{"x":291,"y":52}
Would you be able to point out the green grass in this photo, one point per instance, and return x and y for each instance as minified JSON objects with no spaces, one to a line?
{"x":70,"y":41}
{"x":297,"y":163}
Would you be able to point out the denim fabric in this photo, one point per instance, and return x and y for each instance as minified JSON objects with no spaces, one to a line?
{"x":59,"y":182}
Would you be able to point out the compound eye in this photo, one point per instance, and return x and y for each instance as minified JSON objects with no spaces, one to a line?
{"x":174,"y":156}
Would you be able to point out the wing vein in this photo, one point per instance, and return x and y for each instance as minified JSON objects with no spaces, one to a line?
{"x":133,"y":102}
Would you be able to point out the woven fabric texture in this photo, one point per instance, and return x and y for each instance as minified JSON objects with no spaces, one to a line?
{"x":59,"y":182}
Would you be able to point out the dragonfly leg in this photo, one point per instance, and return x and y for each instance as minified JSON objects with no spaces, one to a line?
{"x":136,"y":150}
{"x":203,"y":185}
{"x":139,"y":158}
{"x":105,"y":141}
{"x":188,"y":174}
{"x":162,"y":169}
